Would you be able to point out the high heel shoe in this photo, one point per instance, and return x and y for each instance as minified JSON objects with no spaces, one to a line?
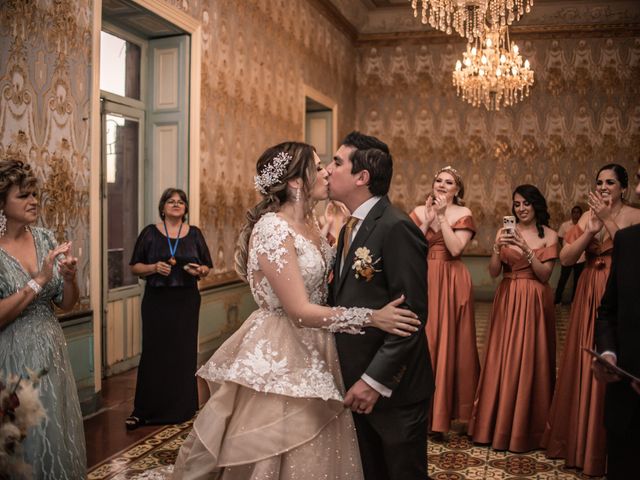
{"x":132,"y":422}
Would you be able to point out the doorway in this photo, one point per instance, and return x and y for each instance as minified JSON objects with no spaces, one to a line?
{"x":146,"y":94}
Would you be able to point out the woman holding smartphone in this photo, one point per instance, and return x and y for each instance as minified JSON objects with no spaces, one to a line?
{"x":451,"y":333}
{"x":172,"y":256}
{"x":516,"y":383}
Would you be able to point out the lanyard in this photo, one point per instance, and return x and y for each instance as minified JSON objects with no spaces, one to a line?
{"x":172,"y":248}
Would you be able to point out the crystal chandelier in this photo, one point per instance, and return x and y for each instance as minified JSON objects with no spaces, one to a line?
{"x":469,"y":17}
{"x":492,"y":72}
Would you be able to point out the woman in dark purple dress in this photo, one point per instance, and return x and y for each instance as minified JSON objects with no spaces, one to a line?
{"x":172,"y":256}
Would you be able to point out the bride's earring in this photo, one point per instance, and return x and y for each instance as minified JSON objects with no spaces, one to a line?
{"x":297,"y":199}
{"x":3,"y":223}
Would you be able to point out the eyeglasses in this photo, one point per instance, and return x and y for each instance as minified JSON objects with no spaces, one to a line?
{"x":173,"y":203}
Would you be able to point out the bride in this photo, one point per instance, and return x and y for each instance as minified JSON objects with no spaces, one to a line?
{"x":276,"y":407}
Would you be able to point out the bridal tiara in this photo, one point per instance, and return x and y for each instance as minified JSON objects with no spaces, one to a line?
{"x":273,"y":172}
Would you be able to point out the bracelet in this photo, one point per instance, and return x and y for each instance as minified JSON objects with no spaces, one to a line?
{"x":496,"y":249}
{"x":35,"y":286}
{"x":530,"y":256}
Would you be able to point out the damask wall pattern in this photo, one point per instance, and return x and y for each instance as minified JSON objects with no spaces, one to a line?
{"x":45,"y":49}
{"x":583,"y":112}
{"x":257,"y":57}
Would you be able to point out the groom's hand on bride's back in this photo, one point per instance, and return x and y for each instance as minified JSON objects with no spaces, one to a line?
{"x":361,"y":398}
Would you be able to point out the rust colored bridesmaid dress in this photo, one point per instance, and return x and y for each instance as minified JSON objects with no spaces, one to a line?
{"x":575,"y":429}
{"x":516,"y":383}
{"x":451,"y":331}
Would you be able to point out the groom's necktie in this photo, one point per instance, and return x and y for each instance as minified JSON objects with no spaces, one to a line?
{"x":346,"y":241}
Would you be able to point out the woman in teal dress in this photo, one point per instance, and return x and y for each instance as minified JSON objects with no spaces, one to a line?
{"x":35,"y":272}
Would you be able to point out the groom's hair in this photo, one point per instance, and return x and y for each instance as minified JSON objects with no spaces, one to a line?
{"x":379,"y":166}
{"x":372,"y":155}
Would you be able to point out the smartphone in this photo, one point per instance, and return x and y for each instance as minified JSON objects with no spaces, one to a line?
{"x":509,"y":223}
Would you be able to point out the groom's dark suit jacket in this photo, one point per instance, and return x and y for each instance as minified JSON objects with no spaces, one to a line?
{"x":618,"y":328}
{"x":400,"y":363}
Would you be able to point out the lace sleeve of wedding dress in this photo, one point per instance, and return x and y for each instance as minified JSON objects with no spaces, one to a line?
{"x":293,"y":268}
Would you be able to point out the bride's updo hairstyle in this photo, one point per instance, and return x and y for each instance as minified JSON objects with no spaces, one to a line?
{"x":275,"y":167}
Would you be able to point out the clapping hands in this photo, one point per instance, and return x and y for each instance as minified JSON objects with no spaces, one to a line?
{"x":599,"y":205}
{"x":440,"y":205}
{"x":594,"y":222}
{"x":433,"y":206}
{"x":67,"y":266}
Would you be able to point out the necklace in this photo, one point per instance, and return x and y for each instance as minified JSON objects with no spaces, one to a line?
{"x":174,"y":247}
{"x":603,"y":231}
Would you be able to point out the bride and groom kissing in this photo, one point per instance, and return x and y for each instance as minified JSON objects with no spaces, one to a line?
{"x":280,"y":384}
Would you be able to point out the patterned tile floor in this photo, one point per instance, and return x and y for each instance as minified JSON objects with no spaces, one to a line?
{"x":454,"y":457}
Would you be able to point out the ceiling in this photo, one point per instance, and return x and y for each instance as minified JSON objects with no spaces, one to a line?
{"x":369,"y":19}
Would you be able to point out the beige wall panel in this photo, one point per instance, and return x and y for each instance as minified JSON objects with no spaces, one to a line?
{"x":115,"y":331}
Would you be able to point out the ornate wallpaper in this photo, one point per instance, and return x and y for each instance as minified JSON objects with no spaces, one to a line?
{"x":45,"y":49}
{"x":257,"y":56}
{"x":583,"y":112}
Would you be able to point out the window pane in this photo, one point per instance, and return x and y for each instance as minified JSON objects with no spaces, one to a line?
{"x":119,"y":66}
{"x":121,"y":152}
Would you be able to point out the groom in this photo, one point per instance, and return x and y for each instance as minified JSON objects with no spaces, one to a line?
{"x":388,"y":378}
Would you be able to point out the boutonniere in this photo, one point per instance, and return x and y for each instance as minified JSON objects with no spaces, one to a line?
{"x":363,"y":264}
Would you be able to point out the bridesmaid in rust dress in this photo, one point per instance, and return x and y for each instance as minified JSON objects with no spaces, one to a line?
{"x":516,"y":383}
{"x":575,"y":429}
{"x":451,"y":333}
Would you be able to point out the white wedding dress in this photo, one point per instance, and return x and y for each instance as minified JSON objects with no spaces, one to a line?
{"x":276,"y":409}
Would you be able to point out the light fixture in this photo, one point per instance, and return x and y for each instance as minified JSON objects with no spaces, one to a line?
{"x":492,"y":72}
{"x":469,"y":17}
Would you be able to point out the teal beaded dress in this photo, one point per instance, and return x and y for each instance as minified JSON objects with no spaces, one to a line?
{"x":56,"y":448}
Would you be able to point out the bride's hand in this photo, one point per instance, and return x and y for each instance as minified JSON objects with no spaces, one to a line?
{"x":397,"y":321}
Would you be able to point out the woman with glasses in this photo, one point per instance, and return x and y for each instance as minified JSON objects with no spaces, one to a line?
{"x":171,"y":256}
